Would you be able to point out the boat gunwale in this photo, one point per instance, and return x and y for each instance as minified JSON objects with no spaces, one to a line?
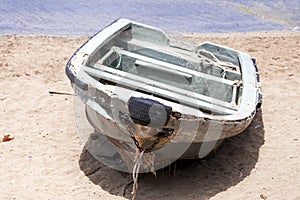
{"x":74,"y":68}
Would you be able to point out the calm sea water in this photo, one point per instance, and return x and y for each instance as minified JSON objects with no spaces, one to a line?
{"x":77,"y":17}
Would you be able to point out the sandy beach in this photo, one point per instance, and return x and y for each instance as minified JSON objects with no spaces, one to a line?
{"x":46,"y":159}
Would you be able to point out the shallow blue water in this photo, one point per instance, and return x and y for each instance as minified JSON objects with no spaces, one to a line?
{"x":74,"y":17}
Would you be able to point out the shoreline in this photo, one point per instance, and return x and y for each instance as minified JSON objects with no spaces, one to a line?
{"x":264,"y":33}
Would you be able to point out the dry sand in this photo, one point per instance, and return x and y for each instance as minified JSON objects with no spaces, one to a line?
{"x":46,"y":158}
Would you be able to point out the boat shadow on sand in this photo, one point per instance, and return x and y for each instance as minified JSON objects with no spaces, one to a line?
{"x":193,"y":179}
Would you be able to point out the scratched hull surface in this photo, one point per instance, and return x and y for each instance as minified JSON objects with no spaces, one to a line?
{"x":147,"y":92}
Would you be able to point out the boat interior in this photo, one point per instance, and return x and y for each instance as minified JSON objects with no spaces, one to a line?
{"x":206,"y":77}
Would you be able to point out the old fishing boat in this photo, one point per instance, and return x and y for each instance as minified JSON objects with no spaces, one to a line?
{"x":166,"y":98}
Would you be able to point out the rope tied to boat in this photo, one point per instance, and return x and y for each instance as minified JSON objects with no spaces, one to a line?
{"x":135,"y":174}
{"x":119,"y":59}
{"x":149,"y":149}
{"x":204,"y":54}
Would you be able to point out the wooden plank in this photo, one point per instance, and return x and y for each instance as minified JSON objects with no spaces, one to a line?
{"x":184,"y":96}
{"x":168,"y":87}
{"x":190,"y":53}
{"x":170,"y":66}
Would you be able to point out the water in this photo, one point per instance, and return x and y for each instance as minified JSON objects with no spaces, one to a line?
{"x":74,"y":17}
